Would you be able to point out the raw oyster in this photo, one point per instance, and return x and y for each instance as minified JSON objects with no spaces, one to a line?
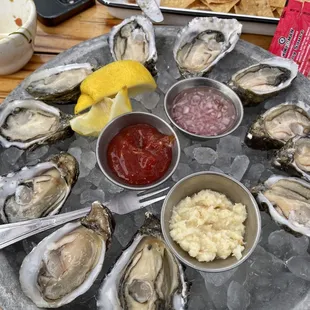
{"x":263,"y":80}
{"x":134,"y":39}
{"x":146,"y":276}
{"x":294,"y":157}
{"x":279,"y":124}
{"x":58,"y":85}
{"x":203,"y":42}
{"x":65,"y":264}
{"x":39,"y":190}
{"x":25,"y":123}
{"x":288,"y":202}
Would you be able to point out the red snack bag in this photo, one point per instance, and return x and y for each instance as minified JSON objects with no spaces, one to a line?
{"x":292,"y":36}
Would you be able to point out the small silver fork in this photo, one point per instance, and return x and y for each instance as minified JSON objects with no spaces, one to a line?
{"x":123,"y":203}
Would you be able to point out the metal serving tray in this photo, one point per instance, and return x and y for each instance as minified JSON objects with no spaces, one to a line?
{"x":175,"y":16}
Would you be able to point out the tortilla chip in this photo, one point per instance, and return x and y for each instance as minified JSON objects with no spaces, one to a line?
{"x":246,"y":7}
{"x":280,"y":11}
{"x":216,"y":1}
{"x":277,"y":3}
{"x":273,"y":9}
{"x":223,"y":7}
{"x":198,"y":5}
{"x":263,"y":8}
{"x":182,"y":4}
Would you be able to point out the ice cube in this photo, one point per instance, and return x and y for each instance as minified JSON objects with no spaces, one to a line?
{"x":160,"y":111}
{"x":189,"y":150}
{"x":237,"y":297}
{"x":76,"y":152}
{"x":95,"y":176}
{"x":80,"y":142}
{"x":11,"y":155}
{"x":223,"y":162}
{"x":215,"y":169}
{"x":255,"y":172}
{"x":299,"y":266}
{"x":230,"y":146}
{"x":218,"y":279}
{"x":33,"y":156}
{"x":138,"y":106}
{"x":88,"y":159}
{"x":182,"y":171}
{"x":110,"y":187}
{"x":165,"y":81}
{"x":149,"y":100}
{"x":184,"y":141}
{"x":90,"y":195}
{"x":284,"y":245}
{"x":205,"y":155}
{"x":80,"y":187}
{"x":124,"y":230}
{"x":239,"y":166}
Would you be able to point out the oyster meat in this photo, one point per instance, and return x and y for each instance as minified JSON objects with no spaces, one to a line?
{"x":65,"y":264}
{"x":146,"y":276}
{"x":203,"y":42}
{"x":277,"y":125}
{"x":58,"y":85}
{"x":294,"y":157}
{"x":263,"y":80}
{"x":39,"y":190}
{"x":288,"y":202}
{"x":30,"y":123}
{"x":134,"y":39}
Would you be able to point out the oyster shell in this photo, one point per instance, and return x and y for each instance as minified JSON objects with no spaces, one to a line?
{"x":203,"y":42}
{"x":288,"y":202}
{"x":26,"y":123}
{"x":134,"y":39}
{"x":294,"y":157}
{"x":65,"y":264}
{"x":277,"y":125}
{"x":58,"y":85}
{"x":263,"y":80}
{"x":146,"y":276}
{"x":39,"y":190}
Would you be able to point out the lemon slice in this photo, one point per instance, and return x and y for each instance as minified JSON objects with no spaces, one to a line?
{"x":92,"y":122}
{"x":108,"y":80}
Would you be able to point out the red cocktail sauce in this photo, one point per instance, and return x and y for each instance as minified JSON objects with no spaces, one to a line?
{"x":140,"y":154}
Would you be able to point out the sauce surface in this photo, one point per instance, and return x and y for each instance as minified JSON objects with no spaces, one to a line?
{"x":203,"y":111}
{"x":140,"y":154}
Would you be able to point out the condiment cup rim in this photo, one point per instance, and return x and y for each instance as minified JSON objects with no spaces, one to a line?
{"x":181,"y":257}
{"x":236,"y":101}
{"x":175,"y":155}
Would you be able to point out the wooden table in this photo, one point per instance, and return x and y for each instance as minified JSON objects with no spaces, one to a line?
{"x":89,"y":24}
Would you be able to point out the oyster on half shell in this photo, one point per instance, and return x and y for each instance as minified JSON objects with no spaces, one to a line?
{"x":263,"y":80}
{"x":39,"y":190}
{"x":58,"y":85}
{"x":66,"y":263}
{"x":30,"y":123}
{"x":203,"y":42}
{"x":288,"y":202}
{"x":279,"y":124}
{"x":294,"y":157}
{"x":146,"y":276}
{"x":134,"y":39}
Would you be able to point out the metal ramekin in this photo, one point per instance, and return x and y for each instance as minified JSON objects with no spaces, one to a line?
{"x":113,"y":128}
{"x":196,"y":82}
{"x":236,"y":192}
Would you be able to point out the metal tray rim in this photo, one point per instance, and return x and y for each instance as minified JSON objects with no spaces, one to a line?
{"x":195,"y":13}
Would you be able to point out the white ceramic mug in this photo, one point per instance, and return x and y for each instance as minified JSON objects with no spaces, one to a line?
{"x":18,"y":26}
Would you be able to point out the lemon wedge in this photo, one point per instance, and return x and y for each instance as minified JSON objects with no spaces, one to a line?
{"x":92,"y":122}
{"x":108,"y":80}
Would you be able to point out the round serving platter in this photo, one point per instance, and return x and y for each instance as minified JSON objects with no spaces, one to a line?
{"x":263,"y":281}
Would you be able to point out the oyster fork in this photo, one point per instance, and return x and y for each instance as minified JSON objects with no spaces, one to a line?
{"x":123,"y":203}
